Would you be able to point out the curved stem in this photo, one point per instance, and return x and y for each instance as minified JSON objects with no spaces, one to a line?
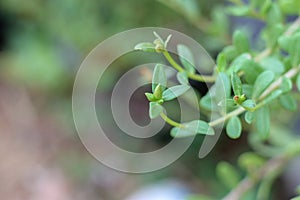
{"x":172,"y":61}
{"x":195,"y":77}
{"x":170,"y":121}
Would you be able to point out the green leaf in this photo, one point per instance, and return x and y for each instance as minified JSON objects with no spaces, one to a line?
{"x":251,"y":70}
{"x":222,"y":62}
{"x":236,"y":84}
{"x":250,"y":161}
{"x":262,"y":117}
{"x":145,"y":46}
{"x":177,"y":132}
{"x":174,"y":92}
{"x":247,"y":90}
{"x":291,"y":7}
{"x":239,"y":10}
{"x":230,"y":52}
{"x":240,"y":41}
{"x":249,"y":116}
{"x":159,"y":77}
{"x":223,"y":85}
{"x":150,"y":96}
{"x":227,"y":174}
{"x":234,"y":127}
{"x":186,"y":58}
{"x":206,"y":102}
{"x":288,"y":102}
{"x":298,"y":82}
{"x":262,"y":82}
{"x":249,"y":105}
{"x":274,"y":15}
{"x":286,"y":85}
{"x":192,"y":128}
{"x":182,"y":78}
{"x":200,"y":127}
{"x":284,"y":42}
{"x":272,"y":64}
{"x":294,"y":49}
{"x":271,"y":97}
{"x":154,"y":109}
{"x":226,"y":102}
{"x":158,"y":92}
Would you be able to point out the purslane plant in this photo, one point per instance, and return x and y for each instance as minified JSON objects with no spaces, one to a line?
{"x":253,"y":82}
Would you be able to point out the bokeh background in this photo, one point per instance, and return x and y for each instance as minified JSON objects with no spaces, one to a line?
{"x":42,"y":44}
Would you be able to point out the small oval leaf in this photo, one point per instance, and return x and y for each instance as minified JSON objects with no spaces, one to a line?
{"x":262,"y":117}
{"x":249,"y":105}
{"x":182,"y":78}
{"x":236,"y":84}
{"x":234,"y":127}
{"x":286,"y":85}
{"x":174,"y":92}
{"x":262,"y":82}
{"x":154,"y":109}
{"x":145,"y":46}
{"x":159,"y":77}
{"x":186,"y":58}
{"x":249,"y":116}
{"x":227,"y":174}
{"x":240,"y":41}
{"x":200,"y":127}
{"x":288,"y":102}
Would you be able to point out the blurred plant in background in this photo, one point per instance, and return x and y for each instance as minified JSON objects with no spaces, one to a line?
{"x":42,"y":45}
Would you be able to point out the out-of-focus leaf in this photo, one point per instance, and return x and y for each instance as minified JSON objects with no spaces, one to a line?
{"x":291,"y":7}
{"x":249,"y":105}
{"x":288,"y":102}
{"x":298,"y":82}
{"x":249,"y":116}
{"x":186,"y":58}
{"x":240,"y":41}
{"x":239,"y":10}
{"x":262,"y":82}
{"x":262,"y":118}
{"x":227,"y":174}
{"x":247,"y":90}
{"x":188,"y":8}
{"x":250,"y":161}
{"x":272,"y":64}
{"x":286,"y":85}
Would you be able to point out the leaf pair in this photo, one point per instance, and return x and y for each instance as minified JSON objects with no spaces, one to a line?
{"x":161,"y":93}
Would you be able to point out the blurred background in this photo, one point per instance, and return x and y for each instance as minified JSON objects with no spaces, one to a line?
{"x":43,"y":43}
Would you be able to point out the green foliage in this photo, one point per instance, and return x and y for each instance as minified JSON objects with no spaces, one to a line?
{"x":248,"y":85}
{"x":234,"y":128}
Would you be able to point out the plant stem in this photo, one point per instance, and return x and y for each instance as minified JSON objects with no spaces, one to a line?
{"x":172,"y":61}
{"x":196,"y":77}
{"x":170,"y":121}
